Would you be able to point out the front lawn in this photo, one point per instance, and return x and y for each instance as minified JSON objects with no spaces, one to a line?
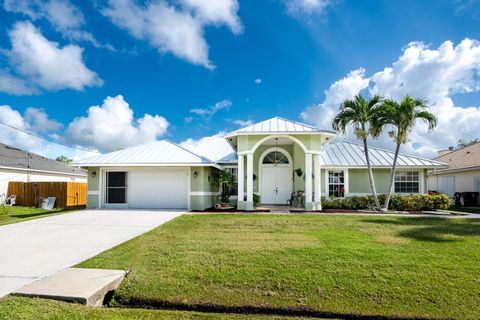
{"x":38,"y":309}
{"x":312,"y":264}
{"x":17,"y":214}
{"x":463,"y":209}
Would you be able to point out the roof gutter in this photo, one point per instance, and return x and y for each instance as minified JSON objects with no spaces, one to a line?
{"x":441,"y":171}
{"x":86,"y":165}
{"x":45,"y":171}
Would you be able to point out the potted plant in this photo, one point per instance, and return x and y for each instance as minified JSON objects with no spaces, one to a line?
{"x":227,"y":182}
{"x":299,"y":172}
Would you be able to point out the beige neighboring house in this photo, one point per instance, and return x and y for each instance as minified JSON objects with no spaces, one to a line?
{"x":23,"y":166}
{"x":462,"y":174}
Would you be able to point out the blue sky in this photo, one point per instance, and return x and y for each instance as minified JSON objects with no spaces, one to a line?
{"x":264,"y":58}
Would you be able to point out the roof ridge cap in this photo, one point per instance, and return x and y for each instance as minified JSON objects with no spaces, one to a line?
{"x":195,"y":154}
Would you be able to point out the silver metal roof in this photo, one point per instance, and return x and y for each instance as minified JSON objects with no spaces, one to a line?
{"x":215,"y":148}
{"x":161,"y":152}
{"x":277,"y":125}
{"x":349,"y":154}
{"x":218,"y":151}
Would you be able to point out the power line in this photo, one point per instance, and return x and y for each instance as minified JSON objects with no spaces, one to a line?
{"x":43,"y":138}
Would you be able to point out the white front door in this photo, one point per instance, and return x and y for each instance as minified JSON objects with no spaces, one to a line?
{"x":448,"y":186}
{"x":276,"y":184}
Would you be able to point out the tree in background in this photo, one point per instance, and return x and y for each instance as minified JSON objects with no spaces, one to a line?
{"x":463,"y":143}
{"x":64,"y":159}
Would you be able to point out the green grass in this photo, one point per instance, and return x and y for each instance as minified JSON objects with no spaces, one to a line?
{"x":17,"y":214}
{"x":38,"y":309}
{"x":463,"y":209}
{"x":340,"y":265}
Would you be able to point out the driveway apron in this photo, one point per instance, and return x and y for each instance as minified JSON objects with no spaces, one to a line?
{"x":37,"y":248}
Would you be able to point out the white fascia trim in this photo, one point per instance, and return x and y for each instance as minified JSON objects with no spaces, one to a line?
{"x":45,"y":171}
{"x":150,"y":165}
{"x":377,"y":167}
{"x":205,"y":193}
{"x":256,"y":133}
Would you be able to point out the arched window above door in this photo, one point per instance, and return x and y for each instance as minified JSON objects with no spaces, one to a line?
{"x":275,"y":157}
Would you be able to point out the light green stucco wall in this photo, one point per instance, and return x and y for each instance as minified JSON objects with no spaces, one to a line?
{"x":93,"y":184}
{"x":311,"y":142}
{"x":359,"y":182}
{"x":92,"y":201}
{"x":205,"y":183}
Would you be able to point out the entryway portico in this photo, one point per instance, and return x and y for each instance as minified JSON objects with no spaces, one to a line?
{"x":277,"y":157}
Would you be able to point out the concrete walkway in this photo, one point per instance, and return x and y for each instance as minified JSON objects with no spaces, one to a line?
{"x":37,"y":248}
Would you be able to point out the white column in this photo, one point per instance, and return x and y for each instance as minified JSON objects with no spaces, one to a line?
{"x":308,"y":181}
{"x":250,"y":180}
{"x":317,"y":182}
{"x":241,"y":177}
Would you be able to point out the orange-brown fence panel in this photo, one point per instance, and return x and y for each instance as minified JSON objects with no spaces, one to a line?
{"x":68,"y":195}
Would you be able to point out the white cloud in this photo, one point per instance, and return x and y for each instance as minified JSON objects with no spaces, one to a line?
{"x":214,"y":147}
{"x":243,"y":123}
{"x":175,"y":30}
{"x":62,"y":14}
{"x":42,"y":64}
{"x":209,"y":112}
{"x":322,"y":114}
{"x":113,"y":125}
{"x":258,"y":81}
{"x":300,"y":7}
{"x":216,"y":12}
{"x":37,"y":122}
{"x":434,"y":74}
{"x":15,"y":86}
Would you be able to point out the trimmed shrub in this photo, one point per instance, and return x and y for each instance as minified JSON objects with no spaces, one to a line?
{"x":402,"y":202}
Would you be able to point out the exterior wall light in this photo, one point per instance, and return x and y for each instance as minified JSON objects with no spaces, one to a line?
{"x":195,"y":174}
{"x":94,"y":174}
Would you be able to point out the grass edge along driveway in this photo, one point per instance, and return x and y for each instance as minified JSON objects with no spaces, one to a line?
{"x":14,"y":214}
{"x":350,"y":265}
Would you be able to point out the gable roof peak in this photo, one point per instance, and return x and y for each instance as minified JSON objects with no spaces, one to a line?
{"x":277,"y":125}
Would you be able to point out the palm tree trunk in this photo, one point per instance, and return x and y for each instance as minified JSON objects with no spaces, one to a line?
{"x":392,"y":177}
{"x":370,"y":175}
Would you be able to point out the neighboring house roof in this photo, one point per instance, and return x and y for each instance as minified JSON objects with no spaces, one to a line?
{"x":349,"y":154}
{"x":215,"y":148}
{"x":157,"y":153}
{"x":278,"y":125}
{"x":14,"y":158}
{"x":464,"y":158}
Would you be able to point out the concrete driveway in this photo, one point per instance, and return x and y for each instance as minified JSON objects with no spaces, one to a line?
{"x":37,"y":248}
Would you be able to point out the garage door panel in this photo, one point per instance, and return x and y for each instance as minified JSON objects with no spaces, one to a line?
{"x":161,"y":188}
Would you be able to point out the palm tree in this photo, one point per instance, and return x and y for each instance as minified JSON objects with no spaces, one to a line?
{"x":360,"y":113}
{"x":402,"y":117}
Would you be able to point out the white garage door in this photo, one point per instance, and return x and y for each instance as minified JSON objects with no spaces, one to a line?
{"x":158,"y":188}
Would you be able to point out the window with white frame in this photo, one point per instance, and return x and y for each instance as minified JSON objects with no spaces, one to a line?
{"x":234,"y":172}
{"x":407,"y":182}
{"x":336,"y":184}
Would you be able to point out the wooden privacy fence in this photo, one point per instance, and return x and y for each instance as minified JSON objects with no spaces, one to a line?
{"x":69,"y":195}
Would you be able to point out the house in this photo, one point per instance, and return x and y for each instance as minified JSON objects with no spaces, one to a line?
{"x":274,"y":158}
{"x":462,"y":173}
{"x":23,"y":166}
